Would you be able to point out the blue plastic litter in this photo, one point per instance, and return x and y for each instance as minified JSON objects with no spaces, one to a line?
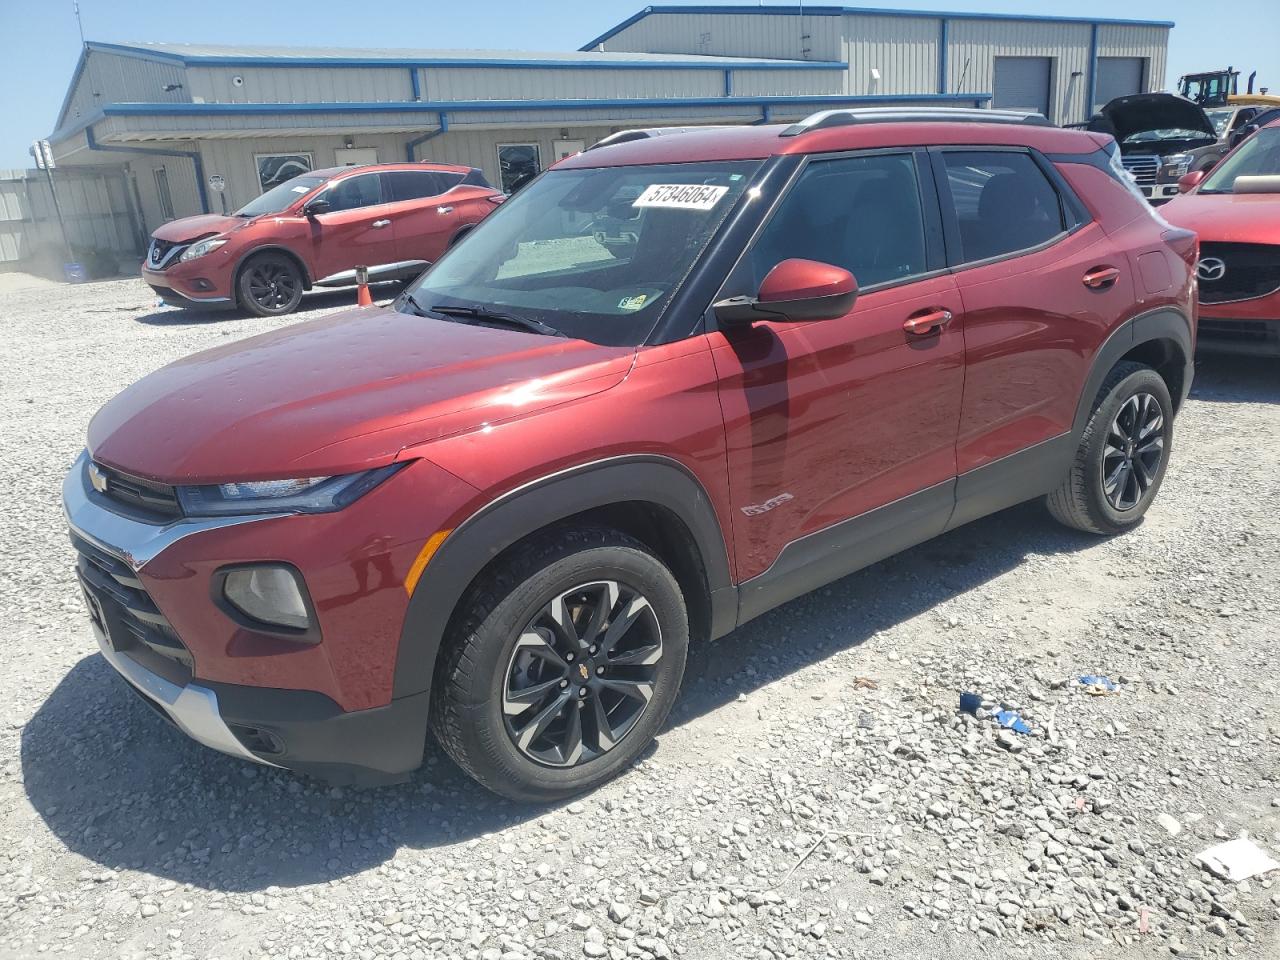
{"x":969,"y":703}
{"x":1097,"y":680}
{"x":1010,"y":720}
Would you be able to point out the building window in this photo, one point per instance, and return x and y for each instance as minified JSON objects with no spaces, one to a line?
{"x":163,"y":195}
{"x":518,"y":163}
{"x":275,"y":168}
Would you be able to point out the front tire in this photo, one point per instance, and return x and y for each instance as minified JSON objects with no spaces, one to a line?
{"x":562,"y":666}
{"x":269,"y":285}
{"x":1121,"y":460}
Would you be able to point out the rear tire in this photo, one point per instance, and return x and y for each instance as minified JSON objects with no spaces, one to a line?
{"x":562,"y":665}
{"x":269,"y":285}
{"x":1121,"y":460}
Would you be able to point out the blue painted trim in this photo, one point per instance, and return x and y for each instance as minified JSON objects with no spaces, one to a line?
{"x":493,"y":106}
{"x":512,"y":63}
{"x":942,"y":54}
{"x":1091,"y":85}
{"x":191,"y":155}
{"x":728,"y":83}
{"x":430,"y":135}
{"x":808,"y":11}
{"x":414,"y":83}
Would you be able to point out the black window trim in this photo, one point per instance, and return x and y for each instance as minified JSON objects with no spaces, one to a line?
{"x":1074,"y":213}
{"x":935,"y":261}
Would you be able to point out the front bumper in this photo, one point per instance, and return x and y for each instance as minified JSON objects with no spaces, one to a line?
{"x":129,"y":569}
{"x":184,"y":284}
{"x":1243,"y":327}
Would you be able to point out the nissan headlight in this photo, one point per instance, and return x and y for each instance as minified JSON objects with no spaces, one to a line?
{"x":1176,"y":164}
{"x":299,"y":495}
{"x":202,"y":247}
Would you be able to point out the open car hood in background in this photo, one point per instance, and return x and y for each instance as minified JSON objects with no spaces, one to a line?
{"x":1125,"y":116}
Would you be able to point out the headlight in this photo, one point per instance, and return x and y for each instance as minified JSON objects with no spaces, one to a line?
{"x":1176,"y":164}
{"x":202,"y":247}
{"x":303,"y":495}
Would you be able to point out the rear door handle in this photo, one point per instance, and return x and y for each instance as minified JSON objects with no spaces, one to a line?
{"x":379,"y":224}
{"x":931,"y":320}
{"x":1100,"y":278}
{"x":444,"y":209}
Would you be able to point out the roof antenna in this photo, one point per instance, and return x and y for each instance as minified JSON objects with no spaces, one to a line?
{"x":75,"y":8}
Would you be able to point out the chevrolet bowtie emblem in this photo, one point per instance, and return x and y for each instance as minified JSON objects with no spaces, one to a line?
{"x":97,"y":478}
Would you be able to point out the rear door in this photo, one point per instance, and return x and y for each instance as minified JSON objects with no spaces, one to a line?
{"x":426,"y":215}
{"x":829,"y":420}
{"x":357,"y":230}
{"x":1041,"y":285}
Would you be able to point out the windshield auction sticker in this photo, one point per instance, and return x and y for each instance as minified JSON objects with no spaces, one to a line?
{"x":681,"y":196}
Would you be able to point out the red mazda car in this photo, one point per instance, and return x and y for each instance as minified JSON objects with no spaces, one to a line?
{"x":314,"y":230}
{"x":1235,"y":210}
{"x":670,"y":385}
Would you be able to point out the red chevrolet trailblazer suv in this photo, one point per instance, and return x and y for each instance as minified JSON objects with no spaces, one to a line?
{"x":314,"y":230}
{"x":671,"y":384}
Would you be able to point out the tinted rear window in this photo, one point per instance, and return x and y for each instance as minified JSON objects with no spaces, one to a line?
{"x":1003,"y":202}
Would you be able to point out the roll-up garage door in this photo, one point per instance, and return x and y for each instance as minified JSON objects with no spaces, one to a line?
{"x":1022,"y":83}
{"x":1117,"y":77}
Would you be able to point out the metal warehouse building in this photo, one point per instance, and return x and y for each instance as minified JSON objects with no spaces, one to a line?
{"x":170,"y":120}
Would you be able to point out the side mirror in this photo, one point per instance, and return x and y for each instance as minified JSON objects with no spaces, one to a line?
{"x":316,"y":207}
{"x":1237,"y":135}
{"x":796,"y":291}
{"x":1189,"y":181}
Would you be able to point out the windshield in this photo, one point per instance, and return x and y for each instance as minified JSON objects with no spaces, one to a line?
{"x":279,"y":198}
{"x":1220,"y":119}
{"x":1259,"y":156}
{"x":596,"y":254}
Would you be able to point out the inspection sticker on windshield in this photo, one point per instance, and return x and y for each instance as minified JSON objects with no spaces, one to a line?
{"x":681,"y":196}
{"x":633,"y":303}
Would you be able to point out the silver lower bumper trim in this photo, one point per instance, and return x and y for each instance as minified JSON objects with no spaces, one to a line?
{"x":192,"y":708}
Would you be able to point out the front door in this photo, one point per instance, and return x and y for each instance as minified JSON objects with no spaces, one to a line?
{"x":828,"y":421}
{"x":356,"y":231}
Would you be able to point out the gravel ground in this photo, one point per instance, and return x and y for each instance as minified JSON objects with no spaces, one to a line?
{"x":816,"y":793}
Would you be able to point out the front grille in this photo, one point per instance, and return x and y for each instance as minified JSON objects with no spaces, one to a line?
{"x":162,"y":252}
{"x":125,"y":611}
{"x":154,"y":500}
{"x":1144,"y":169}
{"x":1251,"y":270}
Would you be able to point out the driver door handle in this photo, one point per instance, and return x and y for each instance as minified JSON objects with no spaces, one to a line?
{"x":929,"y":320}
{"x":444,"y":209}
{"x":379,"y":224}
{"x":1100,"y":278}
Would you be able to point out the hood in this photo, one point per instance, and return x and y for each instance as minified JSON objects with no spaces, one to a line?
{"x":189,"y":228}
{"x":339,"y":394}
{"x":1227,"y":217}
{"x":1125,"y":116}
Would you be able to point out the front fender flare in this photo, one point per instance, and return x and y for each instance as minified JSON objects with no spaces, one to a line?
{"x":656,"y":480}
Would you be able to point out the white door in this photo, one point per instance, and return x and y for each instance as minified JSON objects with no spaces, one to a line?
{"x":567,"y":148}
{"x":355,"y":156}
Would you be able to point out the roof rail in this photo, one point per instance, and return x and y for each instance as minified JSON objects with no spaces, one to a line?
{"x":855,"y":115}
{"x":642,"y":133}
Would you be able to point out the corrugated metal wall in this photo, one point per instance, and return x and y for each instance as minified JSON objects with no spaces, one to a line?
{"x":758,"y":83}
{"x":764,"y":34}
{"x":479,"y":83}
{"x":1151,"y":43}
{"x":180,"y":173}
{"x":109,"y":78}
{"x":301,"y":84}
{"x":94,"y":205}
{"x":903,"y":49}
{"x":979,"y":42}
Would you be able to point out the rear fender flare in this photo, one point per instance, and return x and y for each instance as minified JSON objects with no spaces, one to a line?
{"x":1164,"y":323}
{"x":656,"y":480}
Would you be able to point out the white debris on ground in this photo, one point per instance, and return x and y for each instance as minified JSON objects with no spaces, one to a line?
{"x":817,"y":792}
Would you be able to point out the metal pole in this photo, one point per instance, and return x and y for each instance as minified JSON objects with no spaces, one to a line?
{"x":57,"y":208}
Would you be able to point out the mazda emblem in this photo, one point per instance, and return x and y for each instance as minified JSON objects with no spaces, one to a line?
{"x":1211,"y":268}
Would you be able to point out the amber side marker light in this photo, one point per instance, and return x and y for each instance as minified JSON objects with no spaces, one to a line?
{"x":424,"y":557}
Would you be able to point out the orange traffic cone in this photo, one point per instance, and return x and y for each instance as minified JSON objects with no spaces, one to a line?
{"x":363,"y":298}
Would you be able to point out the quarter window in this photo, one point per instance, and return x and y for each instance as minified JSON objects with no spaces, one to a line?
{"x":1003,"y":203}
{"x":354,"y":192}
{"x":860,"y":213}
